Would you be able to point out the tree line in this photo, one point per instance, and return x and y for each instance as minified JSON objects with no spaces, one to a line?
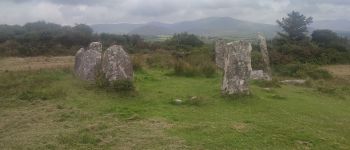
{"x":42,"y":38}
{"x":293,"y":45}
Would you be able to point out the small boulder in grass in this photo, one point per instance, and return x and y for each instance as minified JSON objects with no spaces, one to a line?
{"x":178,"y":101}
{"x":294,"y":81}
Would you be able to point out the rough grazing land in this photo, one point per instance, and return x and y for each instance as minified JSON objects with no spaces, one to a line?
{"x":35,"y":63}
{"x":339,"y":70}
{"x":50,"y":109}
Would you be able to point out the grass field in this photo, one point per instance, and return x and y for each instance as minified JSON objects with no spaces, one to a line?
{"x":50,"y":109}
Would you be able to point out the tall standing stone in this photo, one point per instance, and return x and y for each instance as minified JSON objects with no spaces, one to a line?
{"x":265,"y":57}
{"x":87,"y":62}
{"x":220,"y":53}
{"x":116,"y":64}
{"x":237,"y":68}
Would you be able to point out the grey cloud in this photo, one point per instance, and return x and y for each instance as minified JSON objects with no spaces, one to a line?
{"x":137,"y":11}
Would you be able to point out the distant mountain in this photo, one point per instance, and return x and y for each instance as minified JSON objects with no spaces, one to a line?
{"x":337,"y":25}
{"x":152,"y":30}
{"x":214,"y":26}
{"x":224,"y":26}
{"x":123,"y":28}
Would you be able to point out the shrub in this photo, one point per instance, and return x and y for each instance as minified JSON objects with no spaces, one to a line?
{"x":198,"y":63}
{"x":257,"y":62}
{"x":137,"y":62}
{"x":319,"y":74}
{"x":160,"y":59}
{"x":101,"y":80}
{"x":302,"y":71}
{"x":183,"y":68}
{"x":208,"y":70}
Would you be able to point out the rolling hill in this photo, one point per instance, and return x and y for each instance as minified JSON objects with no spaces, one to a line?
{"x":214,"y":26}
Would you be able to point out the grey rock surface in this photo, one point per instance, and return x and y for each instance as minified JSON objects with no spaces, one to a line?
{"x":220,"y":53}
{"x":97,"y":46}
{"x":78,"y":59}
{"x":116,"y":64}
{"x":87,"y":62}
{"x":237,"y":68}
{"x":259,"y":75}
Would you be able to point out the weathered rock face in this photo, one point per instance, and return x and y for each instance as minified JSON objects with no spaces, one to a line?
{"x":97,"y":46}
{"x":78,"y":59}
{"x":87,"y":62}
{"x":259,"y":75}
{"x":237,"y":68}
{"x":116,"y":64}
{"x":265,"y":57}
{"x":220,"y":53}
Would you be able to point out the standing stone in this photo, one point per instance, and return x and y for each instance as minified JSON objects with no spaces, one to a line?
{"x":265,"y":57}
{"x":237,"y":68}
{"x":258,"y":75}
{"x":220,"y":53}
{"x":78,"y":59}
{"x":116,"y":64}
{"x":87,"y":62}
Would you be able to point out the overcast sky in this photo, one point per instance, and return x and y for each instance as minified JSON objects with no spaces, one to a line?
{"x":140,"y":11}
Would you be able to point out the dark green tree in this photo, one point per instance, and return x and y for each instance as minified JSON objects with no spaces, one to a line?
{"x":295,"y":26}
{"x":324,"y":36}
{"x":185,"y":41}
{"x":330,"y":39}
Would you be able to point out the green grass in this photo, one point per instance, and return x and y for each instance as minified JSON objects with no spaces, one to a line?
{"x":50,"y":109}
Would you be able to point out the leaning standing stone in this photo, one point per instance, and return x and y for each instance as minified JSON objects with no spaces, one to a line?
{"x":116,"y":64}
{"x":87,"y":62}
{"x":78,"y":59}
{"x":265,"y":57}
{"x":237,"y":68}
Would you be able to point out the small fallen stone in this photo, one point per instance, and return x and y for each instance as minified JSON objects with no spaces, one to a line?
{"x":294,"y":81}
{"x":267,"y":89}
{"x":194,"y":97}
{"x":178,"y":101}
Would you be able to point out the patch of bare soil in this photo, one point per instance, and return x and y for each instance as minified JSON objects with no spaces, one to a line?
{"x":43,"y":125}
{"x":35,"y":63}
